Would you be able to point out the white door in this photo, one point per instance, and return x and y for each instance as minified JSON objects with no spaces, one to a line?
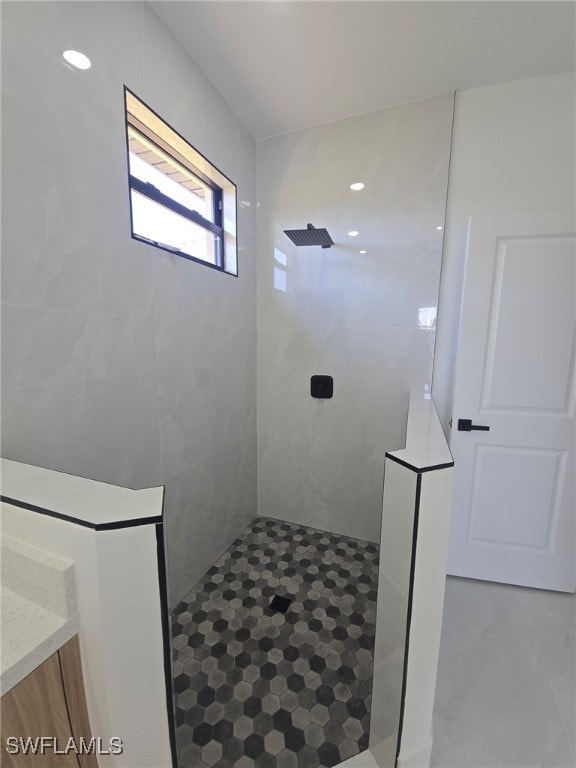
{"x":513,"y":517}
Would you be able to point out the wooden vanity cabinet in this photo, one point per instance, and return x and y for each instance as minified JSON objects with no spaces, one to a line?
{"x":50,"y":701}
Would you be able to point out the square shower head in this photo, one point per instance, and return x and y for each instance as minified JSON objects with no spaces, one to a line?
{"x":310,"y":236}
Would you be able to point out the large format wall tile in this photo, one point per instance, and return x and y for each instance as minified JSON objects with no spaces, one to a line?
{"x":76,"y":209}
{"x":52,"y":27}
{"x":181,"y":293}
{"x":283,"y":473}
{"x":346,"y":487}
{"x":356,"y":311}
{"x":334,"y":483}
{"x":51,"y":347}
{"x":122,"y":362}
{"x":389,"y":654}
{"x":106,"y":430}
{"x":206,"y":385}
{"x":206,"y":512}
{"x":371,"y":369}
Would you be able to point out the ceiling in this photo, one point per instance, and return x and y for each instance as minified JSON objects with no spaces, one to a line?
{"x":284,"y":65}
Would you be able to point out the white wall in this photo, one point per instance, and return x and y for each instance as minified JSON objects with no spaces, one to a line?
{"x":512,"y":152}
{"x":338,"y":312}
{"x":122,"y":362}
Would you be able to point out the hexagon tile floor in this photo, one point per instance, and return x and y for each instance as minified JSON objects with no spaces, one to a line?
{"x":258,"y":687}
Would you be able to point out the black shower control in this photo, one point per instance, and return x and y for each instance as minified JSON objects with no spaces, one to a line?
{"x":322,"y":386}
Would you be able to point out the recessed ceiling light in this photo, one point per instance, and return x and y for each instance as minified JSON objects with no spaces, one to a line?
{"x":244,"y":204}
{"x":353,"y":233}
{"x":362,"y":251}
{"x":439,"y":228}
{"x":77,"y":59}
{"x":357,"y":186}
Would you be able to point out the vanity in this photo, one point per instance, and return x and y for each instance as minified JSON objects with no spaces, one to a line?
{"x":50,"y":700}
{"x":41,"y":681}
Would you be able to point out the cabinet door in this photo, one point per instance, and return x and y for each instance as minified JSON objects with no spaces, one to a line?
{"x":33,"y":708}
{"x":72,"y":679}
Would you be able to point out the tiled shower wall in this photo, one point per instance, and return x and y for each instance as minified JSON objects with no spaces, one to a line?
{"x":121,"y":362}
{"x":352,"y":315}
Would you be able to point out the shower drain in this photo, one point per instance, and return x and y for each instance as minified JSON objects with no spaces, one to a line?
{"x":280,"y":604}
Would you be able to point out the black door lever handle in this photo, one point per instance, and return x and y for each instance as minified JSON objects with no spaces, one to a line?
{"x":465,"y":425}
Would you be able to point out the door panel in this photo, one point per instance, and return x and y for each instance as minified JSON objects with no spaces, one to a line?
{"x":514,"y":501}
{"x":506,"y":482}
{"x":532,"y":304}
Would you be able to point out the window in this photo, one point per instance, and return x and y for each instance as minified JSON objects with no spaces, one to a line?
{"x":179,"y":201}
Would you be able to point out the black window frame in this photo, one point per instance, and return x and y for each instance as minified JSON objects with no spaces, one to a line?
{"x":150,"y":191}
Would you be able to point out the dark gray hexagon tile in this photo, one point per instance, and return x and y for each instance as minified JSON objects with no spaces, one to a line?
{"x":190,"y":756}
{"x":308,"y":757}
{"x":255,"y":688}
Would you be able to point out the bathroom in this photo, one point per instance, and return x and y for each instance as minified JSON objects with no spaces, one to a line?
{"x":134,"y":367}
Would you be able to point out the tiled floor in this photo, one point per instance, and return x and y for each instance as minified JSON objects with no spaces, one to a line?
{"x":506,"y":690}
{"x":256,"y":687}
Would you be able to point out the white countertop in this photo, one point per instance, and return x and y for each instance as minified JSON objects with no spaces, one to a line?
{"x":86,"y":501}
{"x":38,"y":608}
{"x":30,"y":634}
{"x":426,"y":446}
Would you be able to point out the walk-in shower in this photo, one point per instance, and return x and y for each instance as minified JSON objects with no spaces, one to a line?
{"x":259,"y":682}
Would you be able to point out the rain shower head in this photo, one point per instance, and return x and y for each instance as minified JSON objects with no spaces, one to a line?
{"x":310,"y":236}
